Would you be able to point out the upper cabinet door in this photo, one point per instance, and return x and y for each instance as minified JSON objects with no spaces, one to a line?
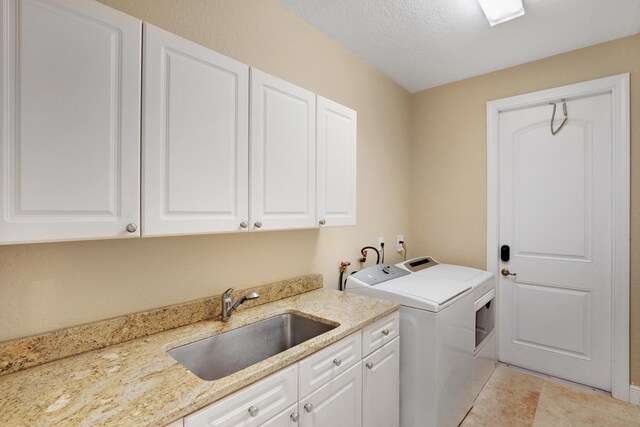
{"x":337,"y":140}
{"x":195,"y":139}
{"x":283,"y":147}
{"x":69,"y":122}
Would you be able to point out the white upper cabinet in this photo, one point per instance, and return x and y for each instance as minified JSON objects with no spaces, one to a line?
{"x":195,"y":138}
{"x":69,"y":122}
{"x":336,"y":162}
{"x":283,"y":149}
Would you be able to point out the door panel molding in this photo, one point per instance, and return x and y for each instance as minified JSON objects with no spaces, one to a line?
{"x":618,"y":87}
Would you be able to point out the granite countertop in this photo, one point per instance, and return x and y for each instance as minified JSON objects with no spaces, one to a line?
{"x":137,"y":383}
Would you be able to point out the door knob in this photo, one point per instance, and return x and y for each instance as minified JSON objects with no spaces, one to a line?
{"x":257,"y":224}
{"x":295,"y":417}
{"x":505,"y":272}
{"x":131,"y":228}
{"x":369,"y":365}
{"x":308,"y":407}
{"x":322,"y":222}
{"x":337,"y":361}
{"x":253,"y":411}
{"x":385,"y":332}
{"x":244,"y":224}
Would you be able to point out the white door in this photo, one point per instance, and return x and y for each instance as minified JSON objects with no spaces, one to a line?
{"x":195,"y":143}
{"x":555,"y":214}
{"x":336,"y":160}
{"x":70,"y":121}
{"x":381,"y":386}
{"x":282,"y":159}
{"x":337,"y":403}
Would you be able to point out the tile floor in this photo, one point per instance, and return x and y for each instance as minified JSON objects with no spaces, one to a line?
{"x":513,"y":398}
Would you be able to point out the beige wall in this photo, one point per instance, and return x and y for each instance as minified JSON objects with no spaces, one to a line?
{"x":448,"y":155}
{"x":48,"y":286}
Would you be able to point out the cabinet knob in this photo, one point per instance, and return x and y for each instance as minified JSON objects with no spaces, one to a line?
{"x":253,"y":411}
{"x":322,"y":222}
{"x":244,"y":224}
{"x":308,"y":407}
{"x":257,"y":224}
{"x":385,"y":332}
{"x":131,"y":227}
{"x":369,"y":365}
{"x":337,"y":361}
{"x":295,"y":417}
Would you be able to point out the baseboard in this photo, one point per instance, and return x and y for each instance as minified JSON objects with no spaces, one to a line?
{"x":634,"y":395}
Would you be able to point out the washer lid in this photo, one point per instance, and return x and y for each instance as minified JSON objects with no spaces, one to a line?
{"x":414,"y":291}
{"x":443,"y":273}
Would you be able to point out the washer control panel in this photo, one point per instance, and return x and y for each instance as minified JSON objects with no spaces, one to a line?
{"x":418,"y":264}
{"x":379,"y":273}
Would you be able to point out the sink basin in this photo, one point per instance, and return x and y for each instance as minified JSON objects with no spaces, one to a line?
{"x":221,"y":355}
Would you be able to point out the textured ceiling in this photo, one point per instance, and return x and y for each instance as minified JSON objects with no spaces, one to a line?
{"x":426,"y":43}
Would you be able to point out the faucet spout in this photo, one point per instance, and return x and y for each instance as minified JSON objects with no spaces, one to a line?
{"x":228,"y":308}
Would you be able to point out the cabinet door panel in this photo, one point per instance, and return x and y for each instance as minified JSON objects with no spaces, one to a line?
{"x":283,"y":119}
{"x":71,"y":121}
{"x":285,"y":418}
{"x":337,"y":403}
{"x":336,"y":160}
{"x":381,"y":386}
{"x":195,"y":138}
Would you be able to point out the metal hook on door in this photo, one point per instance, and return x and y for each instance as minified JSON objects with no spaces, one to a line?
{"x":553,"y":116}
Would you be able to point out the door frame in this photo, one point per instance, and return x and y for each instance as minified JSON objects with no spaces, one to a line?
{"x":618,"y":86}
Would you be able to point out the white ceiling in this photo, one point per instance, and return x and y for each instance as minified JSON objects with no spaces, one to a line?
{"x":426,"y":43}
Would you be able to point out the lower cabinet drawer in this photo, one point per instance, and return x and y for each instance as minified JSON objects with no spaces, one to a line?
{"x":320,"y":368}
{"x":379,"y":333}
{"x":253,"y":405}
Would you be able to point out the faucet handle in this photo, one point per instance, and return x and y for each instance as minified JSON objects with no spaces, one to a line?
{"x":228,"y":292}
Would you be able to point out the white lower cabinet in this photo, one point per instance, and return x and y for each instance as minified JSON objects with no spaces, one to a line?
{"x":334,"y":387}
{"x":337,"y":403}
{"x":381,"y":386}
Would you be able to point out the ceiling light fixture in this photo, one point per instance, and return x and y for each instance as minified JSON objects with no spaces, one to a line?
{"x":499,"y":11}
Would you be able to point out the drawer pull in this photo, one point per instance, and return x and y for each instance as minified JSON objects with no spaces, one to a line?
{"x":253,"y":411}
{"x":337,"y":361}
{"x":308,"y":407}
{"x":369,"y":365}
{"x":385,"y":332}
{"x":295,"y":417}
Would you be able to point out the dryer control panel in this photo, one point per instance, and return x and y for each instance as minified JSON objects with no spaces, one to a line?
{"x":379,"y":273}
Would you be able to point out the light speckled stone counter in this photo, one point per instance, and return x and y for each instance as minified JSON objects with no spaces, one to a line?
{"x":137,"y":383}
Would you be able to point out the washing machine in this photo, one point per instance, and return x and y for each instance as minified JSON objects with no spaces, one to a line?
{"x":437,"y":325}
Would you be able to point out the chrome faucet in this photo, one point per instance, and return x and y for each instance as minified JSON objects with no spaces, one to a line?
{"x":227,"y":303}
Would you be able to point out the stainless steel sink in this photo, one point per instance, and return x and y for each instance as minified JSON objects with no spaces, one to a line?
{"x":221,"y":355}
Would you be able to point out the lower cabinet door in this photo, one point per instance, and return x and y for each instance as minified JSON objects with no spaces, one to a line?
{"x":336,"y":404}
{"x":290,"y":417}
{"x":253,"y":405}
{"x":381,"y":386}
